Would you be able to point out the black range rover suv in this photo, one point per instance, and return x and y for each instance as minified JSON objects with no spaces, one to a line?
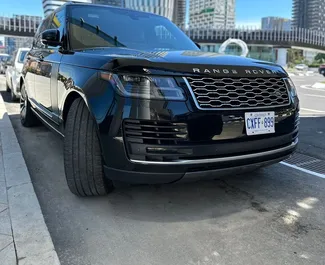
{"x":137,"y":101}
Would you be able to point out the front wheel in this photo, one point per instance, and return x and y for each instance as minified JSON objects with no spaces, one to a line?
{"x":27,"y":117}
{"x":83,"y":161}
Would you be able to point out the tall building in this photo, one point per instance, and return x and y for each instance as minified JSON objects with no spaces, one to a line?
{"x":309,"y":14}
{"x":50,"y":5}
{"x":276,"y":23}
{"x":164,"y":7}
{"x":212,"y":14}
{"x":179,"y":13}
{"x":109,"y":2}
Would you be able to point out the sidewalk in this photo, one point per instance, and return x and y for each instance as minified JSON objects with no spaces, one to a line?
{"x":24,"y":237}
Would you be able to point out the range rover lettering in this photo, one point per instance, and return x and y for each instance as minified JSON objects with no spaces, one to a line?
{"x":138,"y":102}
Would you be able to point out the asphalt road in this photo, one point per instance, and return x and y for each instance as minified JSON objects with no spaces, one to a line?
{"x":273,"y":216}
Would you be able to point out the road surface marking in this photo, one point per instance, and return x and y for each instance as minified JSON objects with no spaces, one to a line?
{"x":313,"y":95}
{"x":308,"y":87}
{"x":304,"y":170}
{"x":313,"y":110}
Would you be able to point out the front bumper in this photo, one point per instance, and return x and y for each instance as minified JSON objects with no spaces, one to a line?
{"x":203,"y":168}
{"x":216,"y":143}
{"x":160,"y":141}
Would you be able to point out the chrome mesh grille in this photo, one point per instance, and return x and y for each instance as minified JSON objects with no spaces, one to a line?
{"x":231,"y":93}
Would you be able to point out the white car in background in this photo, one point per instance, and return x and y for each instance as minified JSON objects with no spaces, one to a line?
{"x":13,"y":72}
{"x":301,"y":67}
{"x":3,"y":59}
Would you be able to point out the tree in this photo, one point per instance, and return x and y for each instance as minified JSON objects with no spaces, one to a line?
{"x":320,"y":57}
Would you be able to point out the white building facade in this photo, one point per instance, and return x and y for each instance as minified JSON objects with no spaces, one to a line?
{"x":50,"y":5}
{"x":212,"y":14}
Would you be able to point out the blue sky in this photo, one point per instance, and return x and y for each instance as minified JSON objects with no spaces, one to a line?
{"x":248,"y":12}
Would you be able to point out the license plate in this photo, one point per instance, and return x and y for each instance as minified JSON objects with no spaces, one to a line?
{"x":259,"y":122}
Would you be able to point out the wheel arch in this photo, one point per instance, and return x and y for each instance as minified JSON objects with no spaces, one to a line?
{"x":69,"y":99}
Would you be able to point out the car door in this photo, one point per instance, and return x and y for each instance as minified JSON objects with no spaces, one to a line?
{"x":31,"y":64}
{"x":48,"y":59}
{"x":42,"y":75}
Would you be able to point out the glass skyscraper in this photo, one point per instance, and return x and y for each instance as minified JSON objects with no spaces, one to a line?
{"x":276,"y":23}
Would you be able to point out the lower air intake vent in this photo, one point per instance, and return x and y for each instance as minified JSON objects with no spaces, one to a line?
{"x":155,"y":132}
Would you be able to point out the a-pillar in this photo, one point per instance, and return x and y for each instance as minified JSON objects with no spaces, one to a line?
{"x":281,"y":57}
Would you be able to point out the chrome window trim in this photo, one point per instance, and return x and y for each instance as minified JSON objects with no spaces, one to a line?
{"x":220,"y":159}
{"x":246,"y":108}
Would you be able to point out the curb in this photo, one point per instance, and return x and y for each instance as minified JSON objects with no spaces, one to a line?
{"x":31,"y":241}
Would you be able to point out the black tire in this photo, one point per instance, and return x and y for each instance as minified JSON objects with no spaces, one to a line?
{"x":27,"y":117}
{"x":83,"y":161}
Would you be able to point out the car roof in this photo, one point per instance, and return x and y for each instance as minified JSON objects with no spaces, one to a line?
{"x":71,"y":3}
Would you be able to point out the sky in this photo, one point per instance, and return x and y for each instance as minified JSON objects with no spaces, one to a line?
{"x":250,"y":12}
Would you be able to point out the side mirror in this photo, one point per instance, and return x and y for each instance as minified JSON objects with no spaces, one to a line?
{"x":198,"y":45}
{"x":51,"y":37}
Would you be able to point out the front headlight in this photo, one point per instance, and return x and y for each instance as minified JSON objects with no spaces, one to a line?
{"x":146,"y":87}
{"x":291,"y":87}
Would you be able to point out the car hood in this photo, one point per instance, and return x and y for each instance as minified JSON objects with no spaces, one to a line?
{"x":172,"y":63}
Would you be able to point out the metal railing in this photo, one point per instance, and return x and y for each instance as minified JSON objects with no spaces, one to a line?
{"x":296,"y":36}
{"x":19,"y":23}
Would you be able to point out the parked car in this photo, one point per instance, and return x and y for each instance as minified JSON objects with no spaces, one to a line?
{"x":3,"y":59}
{"x":321,"y":69}
{"x":13,"y":72}
{"x":140,"y":103}
{"x":301,"y":67}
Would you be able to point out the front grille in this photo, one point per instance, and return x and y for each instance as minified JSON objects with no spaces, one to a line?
{"x":230,"y":93}
{"x":155,"y":132}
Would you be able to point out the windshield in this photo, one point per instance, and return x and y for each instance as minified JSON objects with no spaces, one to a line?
{"x":22,"y":56}
{"x":112,"y":27}
{"x":4,"y":58}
